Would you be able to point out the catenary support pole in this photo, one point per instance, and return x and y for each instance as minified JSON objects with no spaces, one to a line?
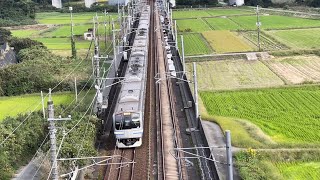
{"x":76,"y":89}
{"x":182,"y":49}
{"x":229,"y":155}
{"x":53,"y":131}
{"x":195,"y":83}
{"x":42,"y":102}
{"x":176,"y":32}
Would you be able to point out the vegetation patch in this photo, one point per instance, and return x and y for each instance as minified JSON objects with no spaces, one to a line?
{"x":194,"y":44}
{"x":298,"y":38}
{"x":290,"y":116}
{"x":192,"y":25}
{"x":278,"y":164}
{"x":275,"y":22}
{"x":226,"y":41}
{"x":65,"y":31}
{"x":24,"y":33}
{"x":63,"y":43}
{"x":299,"y":170}
{"x":234,"y":74}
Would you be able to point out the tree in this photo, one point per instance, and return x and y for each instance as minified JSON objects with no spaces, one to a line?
{"x":4,"y":35}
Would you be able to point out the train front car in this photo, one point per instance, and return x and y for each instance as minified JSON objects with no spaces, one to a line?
{"x":129,"y":112}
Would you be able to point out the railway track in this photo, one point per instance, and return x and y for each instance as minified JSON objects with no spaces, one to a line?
{"x":122,"y":165}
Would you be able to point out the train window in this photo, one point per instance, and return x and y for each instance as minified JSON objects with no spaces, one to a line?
{"x":118,"y":121}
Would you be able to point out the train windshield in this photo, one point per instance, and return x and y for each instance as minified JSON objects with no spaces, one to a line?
{"x":127,"y":121}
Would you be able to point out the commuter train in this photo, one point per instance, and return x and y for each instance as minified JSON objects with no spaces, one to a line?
{"x":128,"y":115}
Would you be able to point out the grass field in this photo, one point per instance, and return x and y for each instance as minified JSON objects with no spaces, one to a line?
{"x":194,"y":44}
{"x":208,"y":13}
{"x":234,"y":74}
{"x":275,"y":22}
{"x":298,"y":38}
{"x":290,"y":116}
{"x":192,"y":25}
{"x":222,"y":24}
{"x":297,"y":69}
{"x":24,"y":33}
{"x":12,"y":106}
{"x":226,"y":41}
{"x":299,"y":170}
{"x":64,"y":18}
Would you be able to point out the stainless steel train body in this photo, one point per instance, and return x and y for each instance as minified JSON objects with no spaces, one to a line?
{"x":128,"y":115}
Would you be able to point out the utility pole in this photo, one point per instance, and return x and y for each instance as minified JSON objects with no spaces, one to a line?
{"x":73,"y":44}
{"x":258,"y":27}
{"x":182,"y":49}
{"x":53,"y":131}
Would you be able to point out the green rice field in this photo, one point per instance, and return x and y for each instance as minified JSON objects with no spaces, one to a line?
{"x":287,"y":115}
{"x":298,"y":38}
{"x":64,"y":31}
{"x":222,"y":24}
{"x":12,"y":106}
{"x":194,"y":44}
{"x":299,"y":170}
{"x":192,"y":25}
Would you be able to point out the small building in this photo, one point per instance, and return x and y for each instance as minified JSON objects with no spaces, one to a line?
{"x":88,"y":35}
{"x":236,"y":2}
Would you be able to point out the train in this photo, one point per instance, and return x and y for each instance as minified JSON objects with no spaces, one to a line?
{"x":128,"y":116}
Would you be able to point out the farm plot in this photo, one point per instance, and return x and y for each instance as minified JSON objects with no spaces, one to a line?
{"x":299,"y":170}
{"x":275,"y":22}
{"x":234,"y":74}
{"x":12,"y":106}
{"x":226,"y":41}
{"x":290,"y":116}
{"x":297,"y":69}
{"x":266,"y":43}
{"x":194,"y":44}
{"x":192,"y":25}
{"x":222,"y":24}
{"x":298,"y":38}
{"x":62,"y":43}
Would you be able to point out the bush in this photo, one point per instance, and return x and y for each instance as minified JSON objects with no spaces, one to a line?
{"x":22,"y":43}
